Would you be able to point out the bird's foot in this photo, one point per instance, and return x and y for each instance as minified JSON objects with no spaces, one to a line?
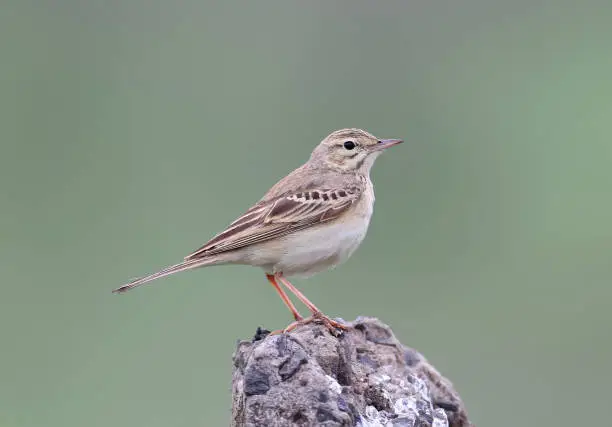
{"x":334,"y":327}
{"x":299,"y":320}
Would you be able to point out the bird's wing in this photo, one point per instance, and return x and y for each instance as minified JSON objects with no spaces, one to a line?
{"x":280,"y":216}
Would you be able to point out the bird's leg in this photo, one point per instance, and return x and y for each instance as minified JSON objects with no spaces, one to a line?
{"x":313,"y":309}
{"x":317,"y":314}
{"x":296,"y":315}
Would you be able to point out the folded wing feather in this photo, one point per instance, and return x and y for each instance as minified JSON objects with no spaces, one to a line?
{"x":278,"y":217}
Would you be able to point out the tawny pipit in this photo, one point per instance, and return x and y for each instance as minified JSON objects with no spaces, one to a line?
{"x":311,"y":220}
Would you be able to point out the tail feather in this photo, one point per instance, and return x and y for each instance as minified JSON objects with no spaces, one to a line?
{"x":185,"y":265}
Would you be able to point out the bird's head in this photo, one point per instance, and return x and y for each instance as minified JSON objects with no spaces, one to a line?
{"x":351,"y":150}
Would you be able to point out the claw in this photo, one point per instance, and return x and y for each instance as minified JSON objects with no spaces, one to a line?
{"x":334,"y":327}
{"x":297,"y":323}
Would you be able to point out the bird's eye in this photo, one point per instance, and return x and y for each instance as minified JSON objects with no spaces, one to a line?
{"x":349,"y":145}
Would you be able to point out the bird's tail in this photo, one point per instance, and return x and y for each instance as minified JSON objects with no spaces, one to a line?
{"x":185,"y":265}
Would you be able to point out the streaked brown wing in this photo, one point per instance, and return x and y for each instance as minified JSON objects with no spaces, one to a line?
{"x":279,"y":217}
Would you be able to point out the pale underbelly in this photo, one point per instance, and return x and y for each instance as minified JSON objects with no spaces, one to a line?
{"x":312,"y":250}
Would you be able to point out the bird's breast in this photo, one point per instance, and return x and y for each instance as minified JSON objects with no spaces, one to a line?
{"x":324,"y":246}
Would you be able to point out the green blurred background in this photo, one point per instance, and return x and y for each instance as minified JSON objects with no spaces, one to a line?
{"x":133,"y":131}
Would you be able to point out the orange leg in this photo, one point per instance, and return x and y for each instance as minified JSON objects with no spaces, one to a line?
{"x":313,"y":308}
{"x":332,"y":325}
{"x":296,"y":315}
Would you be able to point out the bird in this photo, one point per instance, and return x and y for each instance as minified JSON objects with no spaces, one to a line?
{"x":310,"y":221}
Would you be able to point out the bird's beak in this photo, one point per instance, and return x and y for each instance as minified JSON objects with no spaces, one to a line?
{"x":385,"y":143}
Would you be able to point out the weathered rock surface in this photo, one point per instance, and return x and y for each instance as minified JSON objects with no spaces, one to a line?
{"x":365,"y":377}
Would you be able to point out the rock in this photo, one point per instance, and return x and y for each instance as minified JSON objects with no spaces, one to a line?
{"x":365,"y":377}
